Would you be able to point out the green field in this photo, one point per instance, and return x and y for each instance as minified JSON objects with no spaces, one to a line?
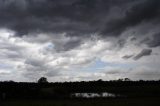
{"x":86,"y":102}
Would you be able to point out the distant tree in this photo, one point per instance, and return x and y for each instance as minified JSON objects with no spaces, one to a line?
{"x":10,"y":81}
{"x":120,"y":79}
{"x":42,"y":80}
{"x":99,"y":80}
{"x":127,"y":79}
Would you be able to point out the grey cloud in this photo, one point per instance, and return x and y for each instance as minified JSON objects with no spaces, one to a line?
{"x":53,"y":73}
{"x":113,"y":72}
{"x":133,"y":39}
{"x":144,"y":52}
{"x":11,"y":51}
{"x":121,"y":43}
{"x":31,"y":75}
{"x":36,"y":68}
{"x":68,"y":44}
{"x":154,"y":41}
{"x":144,"y":11}
{"x":72,"y":44}
{"x":127,"y":56}
{"x":35,"y":62}
{"x":145,"y":74}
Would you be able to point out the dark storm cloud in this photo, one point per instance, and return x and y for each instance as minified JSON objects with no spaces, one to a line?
{"x":80,"y":18}
{"x":144,"y":11}
{"x":32,"y":16}
{"x":74,"y":16}
{"x":144,"y":52}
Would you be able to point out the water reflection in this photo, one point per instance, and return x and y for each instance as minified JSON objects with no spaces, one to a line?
{"x":94,"y":95}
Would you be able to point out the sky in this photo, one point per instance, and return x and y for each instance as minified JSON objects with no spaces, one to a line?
{"x":79,"y":40}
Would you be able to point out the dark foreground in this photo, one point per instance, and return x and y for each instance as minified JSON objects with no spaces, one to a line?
{"x":99,"y":93}
{"x":86,"y":102}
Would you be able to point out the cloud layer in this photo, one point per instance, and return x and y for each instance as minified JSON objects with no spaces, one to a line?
{"x":79,"y":39}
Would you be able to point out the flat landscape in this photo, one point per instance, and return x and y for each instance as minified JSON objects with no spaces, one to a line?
{"x":85,"y":102}
{"x":92,"y":93}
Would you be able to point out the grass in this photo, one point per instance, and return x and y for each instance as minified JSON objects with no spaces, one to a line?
{"x":85,"y":102}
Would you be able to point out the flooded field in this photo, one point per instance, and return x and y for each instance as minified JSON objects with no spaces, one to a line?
{"x":95,"y":95}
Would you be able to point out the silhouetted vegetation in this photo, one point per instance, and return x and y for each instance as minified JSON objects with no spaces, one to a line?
{"x":42,"y":80}
{"x":63,"y":90}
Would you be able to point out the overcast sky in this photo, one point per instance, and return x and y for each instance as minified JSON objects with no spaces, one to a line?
{"x":75,"y":40}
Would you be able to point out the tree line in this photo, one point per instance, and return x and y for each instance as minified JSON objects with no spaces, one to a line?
{"x":61,"y":90}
